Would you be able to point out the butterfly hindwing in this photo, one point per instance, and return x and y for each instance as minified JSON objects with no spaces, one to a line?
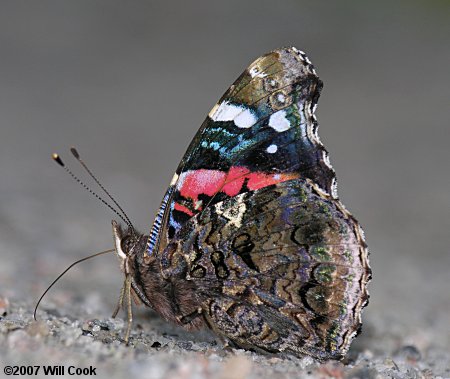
{"x":282,"y":268}
{"x":261,"y":132}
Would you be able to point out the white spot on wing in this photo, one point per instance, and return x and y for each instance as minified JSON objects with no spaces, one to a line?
{"x":225,"y":112}
{"x":279,"y":122}
{"x":298,"y":51}
{"x":255,"y":72}
{"x":234,"y":214}
{"x":198,"y":204}
{"x":246,"y":119}
{"x":326,"y":159}
{"x":272,"y":149}
{"x":315,"y":133}
{"x":242,"y":117}
{"x":334,"y":188}
{"x":281,"y":98}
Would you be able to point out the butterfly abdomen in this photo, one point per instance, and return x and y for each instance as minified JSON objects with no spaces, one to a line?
{"x":168,"y":293}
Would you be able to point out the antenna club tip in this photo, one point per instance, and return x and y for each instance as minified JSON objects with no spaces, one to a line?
{"x":75,"y":152}
{"x":57,"y":159}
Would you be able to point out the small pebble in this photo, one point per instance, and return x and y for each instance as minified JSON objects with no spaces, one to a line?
{"x":186,"y":345}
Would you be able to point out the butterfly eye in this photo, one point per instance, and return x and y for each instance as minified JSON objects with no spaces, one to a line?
{"x":127,"y":244}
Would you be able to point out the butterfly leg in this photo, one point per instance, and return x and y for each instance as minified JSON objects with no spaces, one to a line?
{"x":120,"y":302}
{"x":127,"y":286}
{"x":190,"y":317}
{"x":125,"y":292}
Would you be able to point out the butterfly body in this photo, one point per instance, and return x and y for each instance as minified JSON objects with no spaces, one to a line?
{"x":251,"y":239}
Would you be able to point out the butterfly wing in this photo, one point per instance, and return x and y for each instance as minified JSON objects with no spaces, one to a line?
{"x":277,"y":262}
{"x":261,"y":132}
{"x":282,"y":268}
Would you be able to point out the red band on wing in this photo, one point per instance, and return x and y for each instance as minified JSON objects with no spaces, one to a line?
{"x":234,"y":180}
{"x":259,"y":180}
{"x":209,"y":182}
{"x":182,"y":208}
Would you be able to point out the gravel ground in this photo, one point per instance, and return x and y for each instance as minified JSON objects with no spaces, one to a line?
{"x":129,"y":83}
{"x":66,"y":336}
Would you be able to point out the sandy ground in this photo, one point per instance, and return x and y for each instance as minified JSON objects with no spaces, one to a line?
{"x":65,"y":335}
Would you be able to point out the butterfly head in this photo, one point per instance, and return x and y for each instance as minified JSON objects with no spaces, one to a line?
{"x":128,"y":243}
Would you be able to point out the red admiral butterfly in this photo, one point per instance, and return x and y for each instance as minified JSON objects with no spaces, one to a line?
{"x":251,"y":239}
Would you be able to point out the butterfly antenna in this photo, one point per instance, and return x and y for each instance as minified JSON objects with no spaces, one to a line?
{"x":58,"y":160}
{"x":78,"y":158}
{"x":67,"y":269}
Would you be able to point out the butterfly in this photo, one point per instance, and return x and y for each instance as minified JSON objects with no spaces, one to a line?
{"x":251,"y":240}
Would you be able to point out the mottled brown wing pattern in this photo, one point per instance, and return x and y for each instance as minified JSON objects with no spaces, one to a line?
{"x":283,"y":268}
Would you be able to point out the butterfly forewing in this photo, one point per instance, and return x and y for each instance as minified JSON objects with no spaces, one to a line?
{"x":262,"y":131}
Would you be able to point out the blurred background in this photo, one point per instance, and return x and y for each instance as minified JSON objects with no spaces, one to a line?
{"x":129,"y":84}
